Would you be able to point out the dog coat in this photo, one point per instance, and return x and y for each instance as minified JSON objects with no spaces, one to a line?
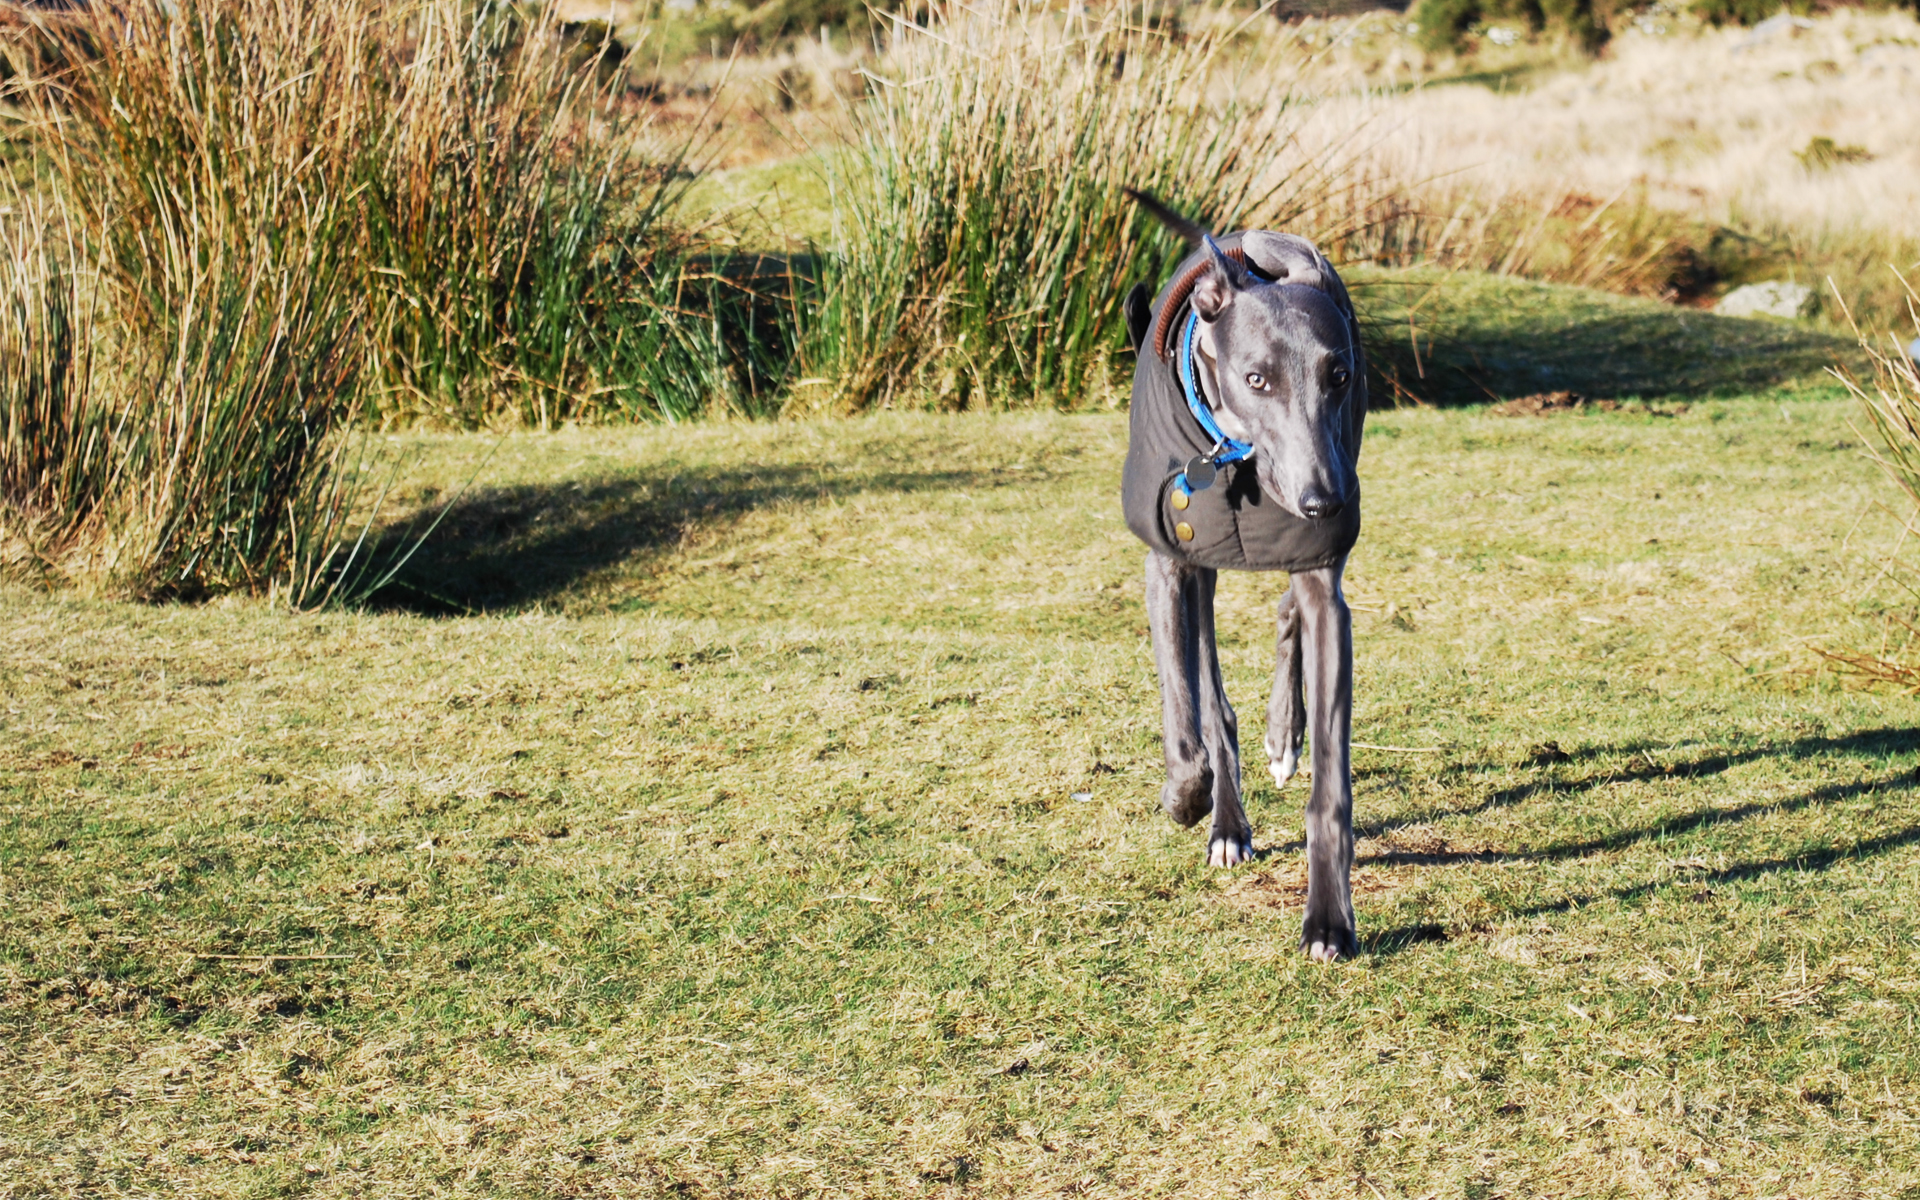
{"x":1231,"y":525}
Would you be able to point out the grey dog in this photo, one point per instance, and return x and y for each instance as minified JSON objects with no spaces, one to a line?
{"x":1248,"y":402}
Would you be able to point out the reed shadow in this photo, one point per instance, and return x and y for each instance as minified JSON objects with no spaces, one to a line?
{"x":506,"y":548}
{"x":1644,"y":761}
{"x":1391,"y":941}
{"x":1487,"y":344}
{"x":1876,"y":744}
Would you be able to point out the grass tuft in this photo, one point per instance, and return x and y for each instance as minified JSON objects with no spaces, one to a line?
{"x":984,"y":238}
{"x":206,"y":157}
{"x":521,"y":240}
{"x":1891,"y":402}
{"x":55,"y":436}
{"x":249,"y":225}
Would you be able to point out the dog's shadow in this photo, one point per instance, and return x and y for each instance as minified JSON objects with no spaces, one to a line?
{"x":1551,"y":772}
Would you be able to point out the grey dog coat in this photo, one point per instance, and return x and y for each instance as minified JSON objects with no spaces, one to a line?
{"x":1235,"y":526}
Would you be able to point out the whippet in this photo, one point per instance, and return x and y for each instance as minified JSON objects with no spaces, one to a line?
{"x":1248,"y":401}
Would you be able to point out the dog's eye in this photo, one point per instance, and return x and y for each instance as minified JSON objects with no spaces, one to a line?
{"x":1339,"y":377}
{"x":1256,"y":381}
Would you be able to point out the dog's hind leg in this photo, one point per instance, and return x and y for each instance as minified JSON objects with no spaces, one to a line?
{"x":1287,"y":710}
{"x":1199,"y":727}
{"x":1326,"y":630}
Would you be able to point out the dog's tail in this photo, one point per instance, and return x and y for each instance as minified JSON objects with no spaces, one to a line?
{"x":1191,"y":230}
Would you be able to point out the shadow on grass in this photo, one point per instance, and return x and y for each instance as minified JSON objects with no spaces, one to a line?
{"x":1643,"y":763}
{"x":1402,"y":937}
{"x":510,"y":547}
{"x":1474,"y":339}
{"x":1877,"y":743}
{"x":1687,"y":823}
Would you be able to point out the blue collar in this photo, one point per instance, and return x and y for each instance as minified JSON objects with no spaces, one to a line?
{"x":1225,"y":449}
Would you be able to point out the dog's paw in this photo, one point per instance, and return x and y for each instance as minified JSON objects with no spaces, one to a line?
{"x":1328,"y":940}
{"x":1189,"y":799}
{"x":1284,"y":766}
{"x":1229,"y":849}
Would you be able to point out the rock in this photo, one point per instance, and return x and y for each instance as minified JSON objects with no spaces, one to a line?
{"x":1541,"y":404}
{"x":1775,"y":298}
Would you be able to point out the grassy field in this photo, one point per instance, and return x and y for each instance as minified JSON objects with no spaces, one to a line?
{"x":755,"y":810}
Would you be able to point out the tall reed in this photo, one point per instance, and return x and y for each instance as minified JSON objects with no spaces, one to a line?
{"x":208,"y":154}
{"x":984,"y":240}
{"x":57,"y":437}
{"x":521,"y":241}
{"x":288,"y":217}
{"x":1891,"y":403}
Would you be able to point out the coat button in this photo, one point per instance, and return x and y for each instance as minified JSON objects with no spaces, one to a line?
{"x":1183,"y":531}
{"x":1181,"y":499}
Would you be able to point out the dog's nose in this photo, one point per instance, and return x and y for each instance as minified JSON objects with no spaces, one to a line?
{"x":1317,"y":504}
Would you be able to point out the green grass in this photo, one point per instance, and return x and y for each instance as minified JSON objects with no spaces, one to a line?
{"x":729,"y":847}
{"x":785,"y":205}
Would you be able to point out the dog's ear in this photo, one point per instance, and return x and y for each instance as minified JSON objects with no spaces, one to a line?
{"x":1214,"y":290}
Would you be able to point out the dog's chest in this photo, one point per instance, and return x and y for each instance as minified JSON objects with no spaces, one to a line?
{"x":1231,"y":525}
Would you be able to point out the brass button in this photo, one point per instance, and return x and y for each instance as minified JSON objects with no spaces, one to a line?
{"x":1183,"y":531}
{"x":1181,"y":499}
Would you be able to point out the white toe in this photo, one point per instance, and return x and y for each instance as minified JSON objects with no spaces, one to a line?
{"x":1283,"y":767}
{"x":1228,"y":852}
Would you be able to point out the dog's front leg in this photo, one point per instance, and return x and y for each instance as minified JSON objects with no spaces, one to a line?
{"x":1199,"y":728}
{"x":1286,"y":711}
{"x":1172,"y":615}
{"x":1327,"y":629}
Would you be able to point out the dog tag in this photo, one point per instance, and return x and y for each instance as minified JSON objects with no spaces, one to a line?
{"x":1200,"y":473}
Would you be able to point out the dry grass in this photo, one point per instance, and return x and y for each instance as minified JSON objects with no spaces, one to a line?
{"x":1675,"y":164}
{"x":241,"y":226}
{"x":741,"y":859}
{"x":201,"y":163}
{"x":55,"y":426}
{"x":1707,"y":122}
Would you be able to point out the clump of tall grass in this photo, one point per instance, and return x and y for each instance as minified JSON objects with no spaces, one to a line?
{"x":205,"y":154}
{"x":56,"y":436}
{"x":521,"y":246}
{"x":1891,"y":402}
{"x":985,"y":240}
{"x":285,"y":219}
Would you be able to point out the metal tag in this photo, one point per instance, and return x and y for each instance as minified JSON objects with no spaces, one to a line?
{"x":1200,"y":473}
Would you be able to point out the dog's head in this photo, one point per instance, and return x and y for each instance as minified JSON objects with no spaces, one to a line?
{"x":1282,"y":365}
